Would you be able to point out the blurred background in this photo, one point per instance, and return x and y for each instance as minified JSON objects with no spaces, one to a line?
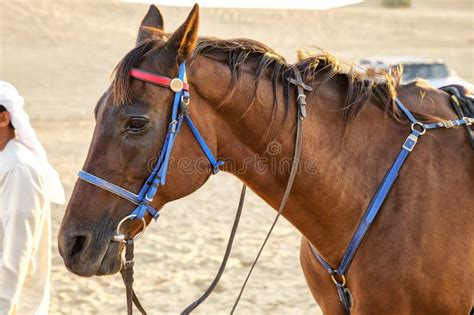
{"x":60,"y":55}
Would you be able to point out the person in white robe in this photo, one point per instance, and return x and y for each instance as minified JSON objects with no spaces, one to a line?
{"x":28,"y":184}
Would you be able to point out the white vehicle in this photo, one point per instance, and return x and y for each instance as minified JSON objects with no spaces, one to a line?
{"x":434,"y":71}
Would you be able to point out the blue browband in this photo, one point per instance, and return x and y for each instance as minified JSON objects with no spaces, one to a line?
{"x":158,"y":176}
{"x":418,"y":128}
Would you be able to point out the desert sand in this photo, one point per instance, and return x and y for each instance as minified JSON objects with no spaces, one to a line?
{"x":60,"y":55}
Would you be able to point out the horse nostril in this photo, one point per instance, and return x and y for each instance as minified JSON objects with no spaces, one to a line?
{"x":78,"y":245}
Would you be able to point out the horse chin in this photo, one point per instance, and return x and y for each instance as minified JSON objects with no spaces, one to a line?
{"x":111,"y":263}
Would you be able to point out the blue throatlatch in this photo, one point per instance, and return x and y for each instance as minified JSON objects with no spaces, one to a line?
{"x":158,"y":176}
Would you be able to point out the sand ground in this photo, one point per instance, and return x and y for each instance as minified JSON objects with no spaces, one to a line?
{"x":60,"y":55}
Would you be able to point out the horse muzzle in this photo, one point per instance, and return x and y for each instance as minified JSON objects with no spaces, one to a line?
{"x":88,"y":253}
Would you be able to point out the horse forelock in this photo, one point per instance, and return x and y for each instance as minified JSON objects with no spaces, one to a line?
{"x":121,"y":85}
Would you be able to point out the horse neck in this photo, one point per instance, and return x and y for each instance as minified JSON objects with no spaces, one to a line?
{"x":328,"y":196}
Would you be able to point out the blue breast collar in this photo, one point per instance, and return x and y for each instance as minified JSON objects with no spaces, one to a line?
{"x":338,"y":274}
{"x":157,"y":177}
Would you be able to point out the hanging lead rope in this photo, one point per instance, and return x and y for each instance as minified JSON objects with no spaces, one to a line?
{"x":214,"y":283}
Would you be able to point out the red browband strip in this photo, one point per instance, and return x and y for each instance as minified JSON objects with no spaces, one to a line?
{"x":153,"y":78}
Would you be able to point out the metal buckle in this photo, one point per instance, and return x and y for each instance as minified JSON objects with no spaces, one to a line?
{"x":216,"y":167}
{"x":120,"y":237}
{"x":185,"y":100}
{"x":184,"y":104}
{"x":469,"y":121}
{"x":448,"y":124}
{"x":301,"y":99}
{"x":176,"y":85}
{"x":173,"y":125}
{"x":410,"y":142}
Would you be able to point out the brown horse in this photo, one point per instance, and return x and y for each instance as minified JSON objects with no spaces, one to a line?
{"x":417,"y":258}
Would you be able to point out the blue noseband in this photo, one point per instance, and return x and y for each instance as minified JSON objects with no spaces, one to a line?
{"x":158,"y":176}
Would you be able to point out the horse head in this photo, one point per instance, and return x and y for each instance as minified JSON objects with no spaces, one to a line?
{"x":132,"y":125}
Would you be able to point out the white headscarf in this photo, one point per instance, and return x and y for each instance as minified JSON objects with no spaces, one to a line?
{"x":13,"y":102}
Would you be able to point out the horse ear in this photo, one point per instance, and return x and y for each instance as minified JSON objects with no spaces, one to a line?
{"x":152,"y":20}
{"x":183,"y":40}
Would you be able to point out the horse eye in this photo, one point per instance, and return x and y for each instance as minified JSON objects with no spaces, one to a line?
{"x":136,"y":125}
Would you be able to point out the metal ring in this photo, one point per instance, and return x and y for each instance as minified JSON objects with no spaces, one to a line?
{"x":335,"y":281}
{"x":118,"y":236}
{"x":422,"y":126}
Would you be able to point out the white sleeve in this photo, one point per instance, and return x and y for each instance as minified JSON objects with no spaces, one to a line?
{"x":23,"y":200}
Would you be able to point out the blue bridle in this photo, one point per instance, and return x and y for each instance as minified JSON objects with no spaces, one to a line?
{"x":157,"y":177}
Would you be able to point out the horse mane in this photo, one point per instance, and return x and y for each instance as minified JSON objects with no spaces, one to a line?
{"x":361,"y":87}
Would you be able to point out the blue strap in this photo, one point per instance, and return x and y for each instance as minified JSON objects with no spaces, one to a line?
{"x":346,"y":304}
{"x":406,"y":111}
{"x":153,"y":179}
{"x":377,"y":202}
{"x":142,"y":209}
{"x":373,"y":208}
{"x":177,"y":95}
{"x":99,"y":182}
{"x":443,"y":124}
{"x":450,"y":123}
{"x":164,"y":165}
{"x":121,"y":192}
{"x":322,"y":261}
{"x":212,"y":160}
